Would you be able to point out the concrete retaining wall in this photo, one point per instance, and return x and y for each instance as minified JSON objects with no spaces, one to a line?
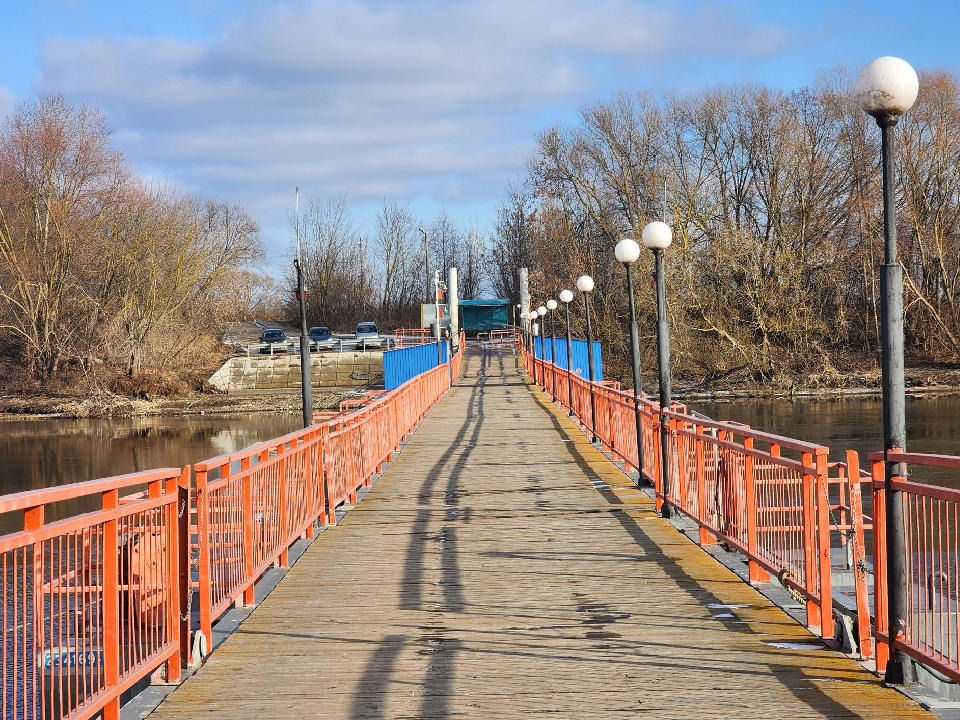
{"x":330,"y":369}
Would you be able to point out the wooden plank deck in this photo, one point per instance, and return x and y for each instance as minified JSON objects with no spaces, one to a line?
{"x":501,"y":568}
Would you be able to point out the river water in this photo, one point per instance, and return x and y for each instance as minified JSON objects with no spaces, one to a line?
{"x":45,"y":452}
{"x":852,"y":423}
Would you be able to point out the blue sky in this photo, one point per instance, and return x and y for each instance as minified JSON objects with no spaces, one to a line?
{"x":432,"y":102}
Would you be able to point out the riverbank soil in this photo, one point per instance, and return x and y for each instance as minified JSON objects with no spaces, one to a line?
{"x":106,"y":404}
{"x":931,"y":379}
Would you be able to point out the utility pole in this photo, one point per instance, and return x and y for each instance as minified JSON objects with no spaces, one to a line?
{"x":436,"y":290}
{"x":525,"y":300}
{"x":305,"y":374}
{"x":426,"y":260}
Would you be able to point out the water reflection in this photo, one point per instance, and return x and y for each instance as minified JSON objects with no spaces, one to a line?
{"x":47,"y":452}
{"x":853,"y":423}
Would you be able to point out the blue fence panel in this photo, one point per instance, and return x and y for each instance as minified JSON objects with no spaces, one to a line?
{"x":579,"y":355}
{"x":406,"y":363}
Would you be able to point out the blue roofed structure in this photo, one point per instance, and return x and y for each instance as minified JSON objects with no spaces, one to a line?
{"x":482,"y":315}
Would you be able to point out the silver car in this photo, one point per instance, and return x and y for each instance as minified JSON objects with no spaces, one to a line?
{"x":367,"y":331}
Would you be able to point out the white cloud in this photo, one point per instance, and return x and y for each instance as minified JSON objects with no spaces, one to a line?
{"x":372,"y":98}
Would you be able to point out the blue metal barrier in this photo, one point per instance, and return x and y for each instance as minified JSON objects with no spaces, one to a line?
{"x":579,"y":356}
{"x":406,"y":363}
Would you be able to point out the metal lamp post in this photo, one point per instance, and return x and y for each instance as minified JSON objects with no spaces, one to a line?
{"x":306,"y":383}
{"x":886,"y":89}
{"x":628,"y":252}
{"x":551,"y":306}
{"x":657,"y":236}
{"x":585,"y":285}
{"x":566,"y":297}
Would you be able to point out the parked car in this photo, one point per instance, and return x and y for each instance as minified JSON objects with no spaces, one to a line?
{"x":320,"y":336}
{"x":272,"y":336}
{"x":367,"y":331}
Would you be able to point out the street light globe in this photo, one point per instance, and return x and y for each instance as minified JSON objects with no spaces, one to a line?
{"x":532,"y":315}
{"x":518,"y":306}
{"x":566,"y":296}
{"x":541,"y":311}
{"x":585,"y":283}
{"x":887,"y":86}
{"x":627,"y":250}
{"x":551,"y":304}
{"x":657,"y":236}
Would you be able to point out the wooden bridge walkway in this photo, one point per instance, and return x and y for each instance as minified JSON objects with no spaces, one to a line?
{"x":502,"y":567}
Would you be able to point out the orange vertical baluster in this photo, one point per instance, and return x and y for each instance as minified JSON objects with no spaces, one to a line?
{"x":246,"y":492}
{"x":184,"y":586}
{"x":111,"y":606}
{"x":880,"y":566}
{"x":823,"y":545}
{"x":203,"y":535}
{"x":283,"y":532}
{"x":706,"y":538}
{"x":810,"y":539}
{"x":757,"y":573}
{"x":859,"y":556}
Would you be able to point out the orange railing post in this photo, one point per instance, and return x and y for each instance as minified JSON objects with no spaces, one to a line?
{"x":284,"y":530}
{"x":184,"y":583}
{"x":810,"y":540}
{"x":706,"y":538}
{"x":111,"y":604}
{"x":859,"y":565}
{"x":823,"y":545}
{"x":880,"y":564}
{"x":203,"y":537}
{"x":756,"y":573}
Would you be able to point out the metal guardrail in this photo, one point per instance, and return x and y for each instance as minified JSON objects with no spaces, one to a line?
{"x":337,"y":344}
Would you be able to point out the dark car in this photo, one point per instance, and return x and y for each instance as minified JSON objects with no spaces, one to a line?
{"x":272,"y":336}
{"x":320,"y":336}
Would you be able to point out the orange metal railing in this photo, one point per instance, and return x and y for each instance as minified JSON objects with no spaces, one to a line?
{"x":97,"y":589}
{"x":91,"y":602}
{"x":931,"y":518}
{"x":405,"y":337}
{"x":268,"y":496}
{"x":734,"y":482}
{"x":262,"y":500}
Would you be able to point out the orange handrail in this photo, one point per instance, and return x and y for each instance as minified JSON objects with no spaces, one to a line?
{"x":104,"y":595}
{"x":773,"y":509}
{"x":93,"y":601}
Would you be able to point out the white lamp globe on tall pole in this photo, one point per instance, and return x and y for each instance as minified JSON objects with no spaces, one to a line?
{"x":886,"y":89}
{"x":657,"y":237}
{"x":627,"y":252}
{"x":566,"y":297}
{"x":887,"y":86}
{"x":585,"y":285}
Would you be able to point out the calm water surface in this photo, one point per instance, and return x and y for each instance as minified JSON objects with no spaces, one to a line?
{"x":45,"y":452}
{"x":933,"y":424}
